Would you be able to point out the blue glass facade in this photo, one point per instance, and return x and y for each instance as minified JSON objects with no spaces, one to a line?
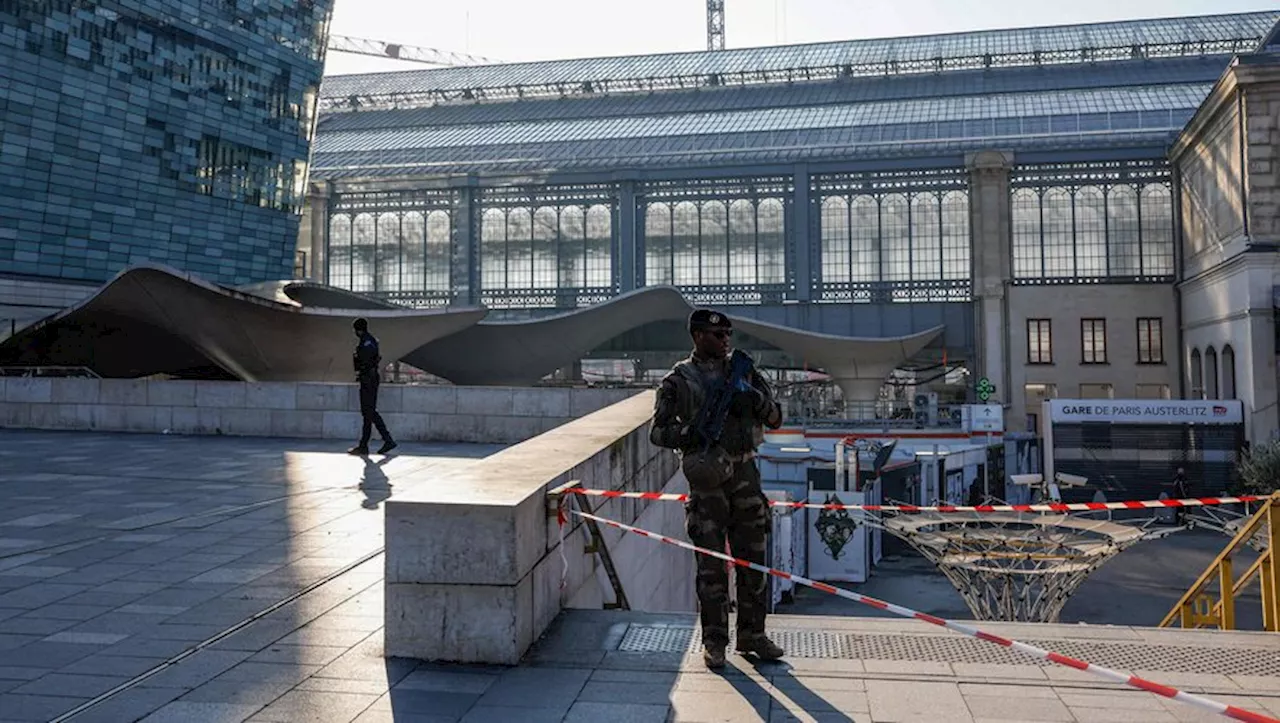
{"x":172,"y":131}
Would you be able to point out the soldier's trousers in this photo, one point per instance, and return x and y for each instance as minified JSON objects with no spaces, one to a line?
{"x":737,"y":512}
{"x":369,"y":412}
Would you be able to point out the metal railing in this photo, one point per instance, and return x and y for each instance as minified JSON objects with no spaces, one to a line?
{"x":1204,"y":606}
{"x":883,"y":414}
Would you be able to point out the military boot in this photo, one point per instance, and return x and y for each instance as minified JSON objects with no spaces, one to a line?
{"x":713,"y":656}
{"x":762,"y":646}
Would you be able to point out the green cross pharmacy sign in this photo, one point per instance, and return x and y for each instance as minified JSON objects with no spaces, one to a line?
{"x":985,"y":389}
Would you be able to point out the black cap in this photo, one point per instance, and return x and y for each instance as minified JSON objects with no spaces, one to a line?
{"x":708,"y":318}
{"x":360,"y":325}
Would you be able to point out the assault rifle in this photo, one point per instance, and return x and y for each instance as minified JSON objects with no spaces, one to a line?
{"x":715,"y":410}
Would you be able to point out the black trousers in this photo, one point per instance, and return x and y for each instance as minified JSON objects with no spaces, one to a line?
{"x":369,"y":412}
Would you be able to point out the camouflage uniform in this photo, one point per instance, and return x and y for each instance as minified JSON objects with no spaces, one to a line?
{"x":736,"y":510}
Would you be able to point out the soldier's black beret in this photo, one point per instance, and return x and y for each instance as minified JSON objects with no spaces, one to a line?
{"x":708,"y":318}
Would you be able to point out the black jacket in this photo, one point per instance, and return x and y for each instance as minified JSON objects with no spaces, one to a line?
{"x":367,"y":358}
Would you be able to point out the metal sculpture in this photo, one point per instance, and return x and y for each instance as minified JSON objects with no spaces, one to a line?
{"x":1014,"y":567}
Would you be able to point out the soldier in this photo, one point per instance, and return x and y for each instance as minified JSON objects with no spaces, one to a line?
{"x":725,"y":499}
{"x":367,"y":361}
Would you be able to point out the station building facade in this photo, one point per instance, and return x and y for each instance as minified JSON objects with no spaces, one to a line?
{"x":1035,"y":191}
{"x":169,"y":131}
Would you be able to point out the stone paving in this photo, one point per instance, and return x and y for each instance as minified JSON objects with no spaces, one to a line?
{"x":227,"y":579}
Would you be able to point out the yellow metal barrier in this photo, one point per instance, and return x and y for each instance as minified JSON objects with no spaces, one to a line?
{"x":1201,"y":608}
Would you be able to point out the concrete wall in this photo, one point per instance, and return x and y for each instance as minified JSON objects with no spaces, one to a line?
{"x":473,"y":570}
{"x":500,"y":415}
{"x":1121,"y":305}
{"x":655,"y":577}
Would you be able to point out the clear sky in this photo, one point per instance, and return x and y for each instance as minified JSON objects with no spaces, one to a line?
{"x":515,"y":30}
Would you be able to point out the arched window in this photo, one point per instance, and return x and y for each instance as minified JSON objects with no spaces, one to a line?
{"x":387,"y":250}
{"x":340,"y":251}
{"x":1028,"y":251}
{"x":771,"y":258}
{"x":599,"y":251}
{"x":955,"y":235}
{"x":1197,"y":376}
{"x":412,"y":251}
{"x":835,"y":240}
{"x":1091,"y":232}
{"x":1228,"y":372}
{"x":1210,"y":374}
{"x":364,"y":245}
{"x":658,"y":256}
{"x":437,"y":253}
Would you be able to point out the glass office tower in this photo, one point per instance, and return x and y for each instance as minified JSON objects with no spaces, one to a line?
{"x":170,"y":131}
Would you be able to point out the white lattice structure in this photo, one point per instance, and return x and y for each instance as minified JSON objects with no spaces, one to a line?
{"x":1013,"y":567}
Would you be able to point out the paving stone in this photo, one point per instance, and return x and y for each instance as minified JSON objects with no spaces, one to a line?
{"x":66,"y":611}
{"x":39,"y":571}
{"x":316,"y":705}
{"x":151,"y":610}
{"x":102,"y":664}
{"x":611,"y":692}
{"x":586,"y":712}
{"x":84,"y":638}
{"x":536,"y":687}
{"x":180,"y":711}
{"x":11,"y":672}
{"x":304,"y":654}
{"x":269,"y":672}
{"x":340,"y":685}
{"x":196,"y":670}
{"x":34,"y":626}
{"x":1021,"y":709}
{"x":911,"y":702}
{"x":499,"y":714}
{"x":410,"y":703}
{"x":45,"y":654}
{"x":447,"y":682}
{"x":35,"y":707}
{"x":688,"y":705}
{"x":69,"y":684}
{"x":138,"y":703}
{"x":256,"y":693}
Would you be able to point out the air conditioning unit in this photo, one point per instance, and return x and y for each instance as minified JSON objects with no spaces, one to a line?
{"x":925,"y":408}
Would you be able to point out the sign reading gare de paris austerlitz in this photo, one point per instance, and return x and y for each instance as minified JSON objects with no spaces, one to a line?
{"x":1145,"y":411}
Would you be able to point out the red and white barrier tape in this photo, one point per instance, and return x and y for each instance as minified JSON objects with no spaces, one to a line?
{"x":1046,"y":507}
{"x":1114,"y":676}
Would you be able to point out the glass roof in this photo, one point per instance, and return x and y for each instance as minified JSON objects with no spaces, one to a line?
{"x":1072,"y":44}
{"x":711,"y":152}
{"x":938,"y":111}
{"x":1012,"y":80}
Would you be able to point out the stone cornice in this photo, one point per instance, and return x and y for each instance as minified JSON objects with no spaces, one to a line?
{"x":1244,"y":71}
{"x":1264,"y":258}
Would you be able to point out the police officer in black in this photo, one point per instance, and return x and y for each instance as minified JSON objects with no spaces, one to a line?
{"x":367,"y":361}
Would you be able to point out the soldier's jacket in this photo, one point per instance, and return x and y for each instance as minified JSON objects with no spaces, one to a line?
{"x":367,"y":357}
{"x":684,"y":390}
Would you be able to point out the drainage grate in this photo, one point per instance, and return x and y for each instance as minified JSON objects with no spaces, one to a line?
{"x":945,"y":649}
